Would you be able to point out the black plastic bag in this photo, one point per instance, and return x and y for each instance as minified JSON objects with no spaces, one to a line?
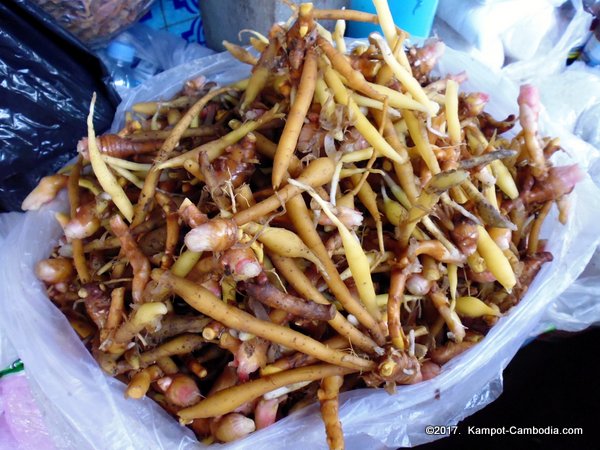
{"x":46,"y":83}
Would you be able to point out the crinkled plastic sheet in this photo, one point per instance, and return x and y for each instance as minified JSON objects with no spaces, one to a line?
{"x":88,"y":409}
{"x":46,"y":82}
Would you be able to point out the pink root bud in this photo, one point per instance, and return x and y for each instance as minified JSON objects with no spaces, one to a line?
{"x":241,"y":263}
{"x":474,"y":103}
{"x":182,"y":391}
{"x":251,"y":356}
{"x":351,"y":218}
{"x":213,"y":286}
{"x":529,"y":108}
{"x":84,"y":224}
{"x":482,"y":277}
{"x":564,"y":178}
{"x":430,"y":370}
{"x":232,"y":427}
{"x":265,"y":412}
{"x":459,"y":77}
{"x":430,"y":53}
{"x":530,"y":96}
{"x":191,"y":215}
{"x":418,"y":285}
{"x":216,"y":235}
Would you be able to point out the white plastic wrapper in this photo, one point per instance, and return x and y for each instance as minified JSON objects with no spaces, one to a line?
{"x":524,"y":37}
{"x":494,"y":30}
{"x":87,"y":410}
{"x":553,"y":51}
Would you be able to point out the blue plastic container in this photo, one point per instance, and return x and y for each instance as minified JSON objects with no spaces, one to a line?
{"x":413,"y":16}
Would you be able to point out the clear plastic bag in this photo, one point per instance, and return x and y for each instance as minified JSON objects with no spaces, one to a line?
{"x":161,"y":48}
{"x":87,"y":409}
{"x":7,"y":351}
{"x":579,"y":305}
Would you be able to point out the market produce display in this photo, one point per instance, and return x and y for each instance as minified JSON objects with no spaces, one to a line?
{"x":340,"y":219}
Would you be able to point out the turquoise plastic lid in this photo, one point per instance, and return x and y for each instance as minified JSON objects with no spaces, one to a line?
{"x":121,"y":51}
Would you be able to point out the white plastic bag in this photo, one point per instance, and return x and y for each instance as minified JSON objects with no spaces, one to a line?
{"x":551,"y":57}
{"x":579,"y":305}
{"x":521,"y":36}
{"x":493,"y":29}
{"x":87,"y":409}
{"x":7,"y":351}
